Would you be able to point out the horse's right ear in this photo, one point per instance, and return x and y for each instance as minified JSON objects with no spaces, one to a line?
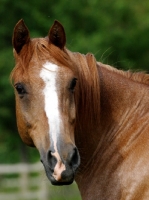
{"x":20,"y":36}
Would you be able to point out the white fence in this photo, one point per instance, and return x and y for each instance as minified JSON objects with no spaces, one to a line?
{"x":28,"y":182}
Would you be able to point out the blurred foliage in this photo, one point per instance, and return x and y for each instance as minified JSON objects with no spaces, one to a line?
{"x":116,"y":31}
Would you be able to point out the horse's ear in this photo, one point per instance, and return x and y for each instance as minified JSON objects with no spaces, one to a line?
{"x":57,"y":35}
{"x":20,"y":36}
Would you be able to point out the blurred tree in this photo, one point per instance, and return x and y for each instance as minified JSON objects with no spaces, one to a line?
{"x":116,"y":31}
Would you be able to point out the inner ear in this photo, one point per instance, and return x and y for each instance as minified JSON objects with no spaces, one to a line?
{"x":20,"y":36}
{"x":57,"y":35}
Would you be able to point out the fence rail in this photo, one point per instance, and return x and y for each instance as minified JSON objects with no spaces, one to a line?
{"x":28,"y":182}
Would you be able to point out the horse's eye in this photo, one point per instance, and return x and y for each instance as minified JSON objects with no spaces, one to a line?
{"x":73,"y":84}
{"x":20,"y":89}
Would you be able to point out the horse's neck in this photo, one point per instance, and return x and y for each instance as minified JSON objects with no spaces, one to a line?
{"x":122,"y":101}
{"x":124,"y":111}
{"x":122,"y":104}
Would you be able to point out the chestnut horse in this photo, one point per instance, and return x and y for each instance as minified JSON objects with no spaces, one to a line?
{"x":89,"y":121}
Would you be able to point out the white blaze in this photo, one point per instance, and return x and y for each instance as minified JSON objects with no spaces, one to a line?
{"x":48,"y":74}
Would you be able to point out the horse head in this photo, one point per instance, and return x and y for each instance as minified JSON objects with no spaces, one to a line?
{"x":45,"y":104}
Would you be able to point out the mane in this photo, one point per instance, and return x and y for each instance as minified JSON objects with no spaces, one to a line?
{"x":140,"y":77}
{"x":88,"y":94}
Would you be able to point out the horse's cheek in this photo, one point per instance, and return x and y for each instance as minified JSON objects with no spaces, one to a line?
{"x":23,"y":129}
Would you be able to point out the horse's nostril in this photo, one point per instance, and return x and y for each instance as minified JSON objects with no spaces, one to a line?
{"x":74,"y":159}
{"x":51,"y":160}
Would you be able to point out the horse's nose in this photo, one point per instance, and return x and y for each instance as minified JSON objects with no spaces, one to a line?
{"x":70,"y":158}
{"x":63,"y":163}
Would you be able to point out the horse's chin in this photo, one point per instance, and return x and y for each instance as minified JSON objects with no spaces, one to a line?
{"x":60,"y":183}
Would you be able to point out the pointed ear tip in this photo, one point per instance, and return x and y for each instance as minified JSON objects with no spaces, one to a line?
{"x":21,"y":21}
{"x":57,"y":22}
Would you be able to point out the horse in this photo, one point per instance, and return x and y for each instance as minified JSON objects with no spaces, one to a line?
{"x":88,"y":120}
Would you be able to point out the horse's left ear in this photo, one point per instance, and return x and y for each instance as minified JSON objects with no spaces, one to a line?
{"x":57,"y":35}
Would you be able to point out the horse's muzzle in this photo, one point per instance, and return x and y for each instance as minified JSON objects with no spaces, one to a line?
{"x":61,"y":167}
